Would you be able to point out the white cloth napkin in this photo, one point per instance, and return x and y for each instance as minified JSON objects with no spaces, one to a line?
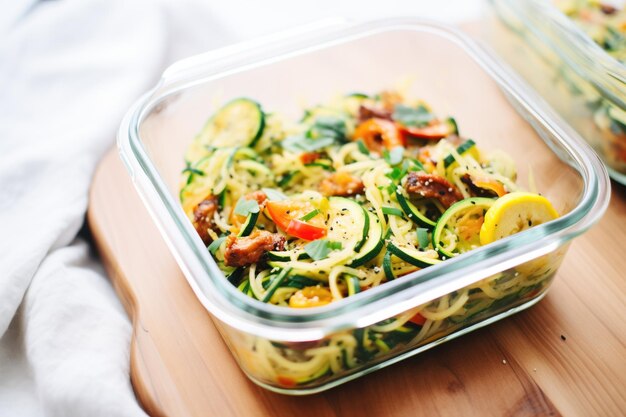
{"x":69,"y":69}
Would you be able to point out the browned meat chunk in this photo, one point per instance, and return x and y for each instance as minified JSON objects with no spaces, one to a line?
{"x":426,"y":185}
{"x":203,"y":217}
{"x":242,"y":251}
{"x":341,"y":184}
{"x":370,"y":112}
{"x":475,"y":190}
{"x":484,"y":187}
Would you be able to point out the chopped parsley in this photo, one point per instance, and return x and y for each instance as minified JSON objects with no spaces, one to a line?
{"x":273,"y":194}
{"x":319,"y":249}
{"x":422,"y":237}
{"x":410,"y":116}
{"x":245,"y":207}
{"x":394,"y":156}
{"x":362,"y":148}
{"x":301,"y":143}
{"x":310,"y":215}
{"x":393,"y":211}
{"x":325,"y":131}
{"x":215,"y":245}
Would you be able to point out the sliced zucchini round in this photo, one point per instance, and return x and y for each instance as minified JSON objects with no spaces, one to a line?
{"x":412,"y":212}
{"x":474,"y":210}
{"x":351,"y":233}
{"x":412,"y":255}
{"x":238,"y":123}
{"x":373,"y":244}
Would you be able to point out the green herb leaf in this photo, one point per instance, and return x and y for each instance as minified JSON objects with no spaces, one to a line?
{"x":245,"y":207}
{"x":410,"y":165}
{"x":274,"y":195}
{"x":191,"y":171}
{"x":410,"y":116}
{"x":301,"y":143}
{"x":362,"y":148}
{"x":329,"y":126}
{"x":394,"y":156}
{"x":327,"y":166}
{"x":391,"y":188}
{"x":422,"y":237}
{"x":319,"y":249}
{"x":393,"y":211}
{"x":215,"y":245}
{"x":309,"y":215}
{"x":396,"y":173}
{"x":334,"y":245}
{"x":357,"y":94}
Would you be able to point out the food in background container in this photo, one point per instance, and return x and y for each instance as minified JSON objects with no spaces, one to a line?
{"x":575,"y":59}
{"x":605,"y":23}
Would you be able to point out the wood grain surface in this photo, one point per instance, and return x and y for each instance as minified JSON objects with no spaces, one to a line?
{"x":564,"y":356}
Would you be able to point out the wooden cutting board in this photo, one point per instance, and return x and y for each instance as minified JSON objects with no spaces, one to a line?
{"x":564,"y":356}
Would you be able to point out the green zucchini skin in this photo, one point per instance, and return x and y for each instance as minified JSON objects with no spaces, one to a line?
{"x":276,"y":282}
{"x":366,"y":229}
{"x":411,"y":257}
{"x":248,"y":225}
{"x":278,"y":256}
{"x":374,"y":242}
{"x":456,"y":208}
{"x":238,"y":123}
{"x":412,"y":212}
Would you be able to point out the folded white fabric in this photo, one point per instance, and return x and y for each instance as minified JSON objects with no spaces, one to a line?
{"x":68,"y":71}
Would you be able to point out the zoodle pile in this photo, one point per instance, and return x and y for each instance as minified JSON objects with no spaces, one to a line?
{"x":360,"y":191}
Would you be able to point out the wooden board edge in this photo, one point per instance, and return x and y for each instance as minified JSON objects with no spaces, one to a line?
{"x":126,"y":295}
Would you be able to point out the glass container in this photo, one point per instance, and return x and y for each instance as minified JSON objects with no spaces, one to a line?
{"x":302,"y":351}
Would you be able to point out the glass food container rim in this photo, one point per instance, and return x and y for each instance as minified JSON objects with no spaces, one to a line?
{"x":252,"y":316}
{"x":587,"y":59}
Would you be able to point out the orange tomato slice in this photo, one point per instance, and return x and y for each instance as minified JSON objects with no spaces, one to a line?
{"x":378,"y":134}
{"x":288,"y":217}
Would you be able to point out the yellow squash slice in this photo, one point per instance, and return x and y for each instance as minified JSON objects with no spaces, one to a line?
{"x":514,"y":213}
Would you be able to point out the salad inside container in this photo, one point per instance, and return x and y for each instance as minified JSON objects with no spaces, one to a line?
{"x":305,"y":350}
